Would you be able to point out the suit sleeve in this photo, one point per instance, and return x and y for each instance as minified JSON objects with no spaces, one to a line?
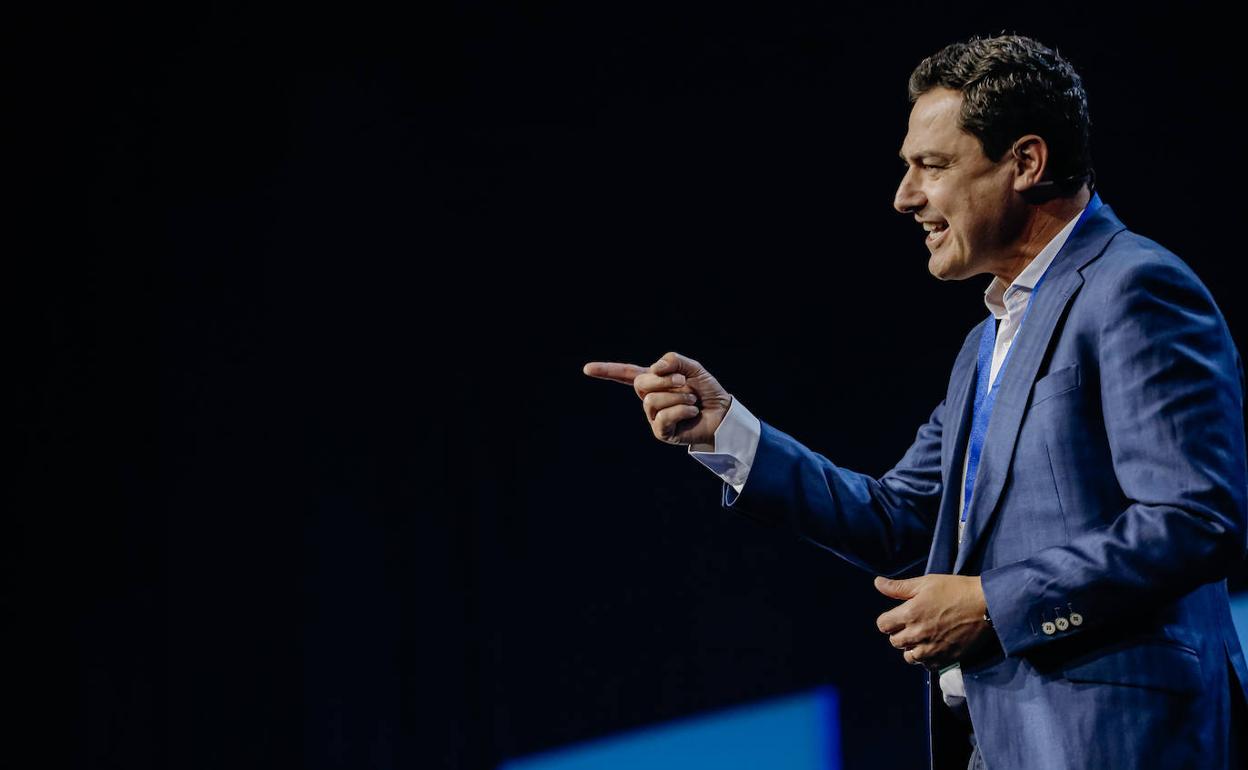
{"x":883,"y":525}
{"x":1172,"y":400}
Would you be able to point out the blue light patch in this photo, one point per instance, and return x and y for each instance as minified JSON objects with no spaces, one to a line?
{"x":797,"y":732}
{"x":1239,"y":612}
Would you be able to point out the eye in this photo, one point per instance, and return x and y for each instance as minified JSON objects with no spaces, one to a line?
{"x":921,"y":166}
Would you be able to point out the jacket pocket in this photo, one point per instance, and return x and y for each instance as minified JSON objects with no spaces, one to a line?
{"x":1158,"y":664}
{"x":1054,"y":383}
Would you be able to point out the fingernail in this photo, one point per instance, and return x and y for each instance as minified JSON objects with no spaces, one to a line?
{"x":678,"y":379}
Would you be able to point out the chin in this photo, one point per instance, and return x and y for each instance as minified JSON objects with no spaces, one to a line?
{"x":939,"y":269}
{"x":946,"y":268}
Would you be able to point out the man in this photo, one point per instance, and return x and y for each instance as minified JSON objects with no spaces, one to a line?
{"x":1078,"y":496}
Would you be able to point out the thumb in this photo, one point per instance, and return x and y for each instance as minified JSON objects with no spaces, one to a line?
{"x":897,"y":589}
{"x":674,"y":363}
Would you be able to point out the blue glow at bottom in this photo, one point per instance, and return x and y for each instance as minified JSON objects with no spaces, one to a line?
{"x":798,"y":732}
{"x":1239,"y":612}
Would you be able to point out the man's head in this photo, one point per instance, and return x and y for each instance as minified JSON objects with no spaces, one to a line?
{"x":996,"y":153}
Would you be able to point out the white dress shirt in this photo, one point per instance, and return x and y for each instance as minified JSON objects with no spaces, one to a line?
{"x":736,"y":438}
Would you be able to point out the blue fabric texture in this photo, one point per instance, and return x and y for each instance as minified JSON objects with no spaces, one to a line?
{"x":1109,"y":505}
{"x":985,"y":395}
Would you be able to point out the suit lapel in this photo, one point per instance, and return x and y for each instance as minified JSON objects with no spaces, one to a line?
{"x":958,"y":423}
{"x":1061,"y":282}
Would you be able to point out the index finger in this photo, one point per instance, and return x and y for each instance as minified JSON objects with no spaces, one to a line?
{"x":892,"y":621}
{"x":616,"y":372}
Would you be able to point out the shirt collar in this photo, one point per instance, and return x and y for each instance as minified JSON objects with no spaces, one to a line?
{"x":997,"y":296}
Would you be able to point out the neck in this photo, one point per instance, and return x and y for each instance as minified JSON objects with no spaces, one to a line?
{"x":1041,"y":223}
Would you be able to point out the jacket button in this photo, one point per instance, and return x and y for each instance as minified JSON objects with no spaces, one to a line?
{"x":1076,"y":619}
{"x":1048,"y":628}
{"x":1061,"y":623}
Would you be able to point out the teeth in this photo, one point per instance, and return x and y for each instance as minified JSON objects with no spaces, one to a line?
{"x":933,"y":227}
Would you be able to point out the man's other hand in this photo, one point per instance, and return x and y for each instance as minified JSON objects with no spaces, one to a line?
{"x":940,"y":621}
{"x":683,"y":403}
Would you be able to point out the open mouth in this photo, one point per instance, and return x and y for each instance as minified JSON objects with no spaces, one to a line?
{"x":935,"y":232}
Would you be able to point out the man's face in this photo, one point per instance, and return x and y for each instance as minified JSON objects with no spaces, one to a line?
{"x":966,"y":200}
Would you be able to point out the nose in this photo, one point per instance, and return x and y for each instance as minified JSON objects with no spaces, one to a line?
{"x":909,"y":197}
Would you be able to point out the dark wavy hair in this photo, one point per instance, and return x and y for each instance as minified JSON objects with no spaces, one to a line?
{"x":1012,"y":85}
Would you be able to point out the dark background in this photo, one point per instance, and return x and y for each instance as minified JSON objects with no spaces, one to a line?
{"x":308,"y":473}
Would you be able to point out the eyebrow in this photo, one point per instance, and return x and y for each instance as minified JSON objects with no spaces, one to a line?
{"x":923,"y":154}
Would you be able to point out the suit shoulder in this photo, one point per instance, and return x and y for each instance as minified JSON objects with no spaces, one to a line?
{"x":1136,"y":276}
{"x":1131,"y":262}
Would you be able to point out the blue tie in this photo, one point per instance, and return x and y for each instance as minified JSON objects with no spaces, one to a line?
{"x":985,"y":394}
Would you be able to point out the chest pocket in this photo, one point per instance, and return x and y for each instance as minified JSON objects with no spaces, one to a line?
{"x":1055,"y":383}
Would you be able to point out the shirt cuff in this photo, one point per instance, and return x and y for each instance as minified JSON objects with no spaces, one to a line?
{"x":731,"y":453}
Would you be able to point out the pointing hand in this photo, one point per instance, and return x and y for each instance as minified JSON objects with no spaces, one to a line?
{"x":683,"y":403}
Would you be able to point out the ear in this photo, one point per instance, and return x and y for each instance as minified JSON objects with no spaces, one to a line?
{"x":1030,"y":157}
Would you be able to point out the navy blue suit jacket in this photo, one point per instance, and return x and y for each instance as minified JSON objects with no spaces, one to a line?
{"x":1111,"y":491}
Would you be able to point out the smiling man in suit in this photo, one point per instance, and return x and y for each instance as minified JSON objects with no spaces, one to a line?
{"x":1077,"y":497}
